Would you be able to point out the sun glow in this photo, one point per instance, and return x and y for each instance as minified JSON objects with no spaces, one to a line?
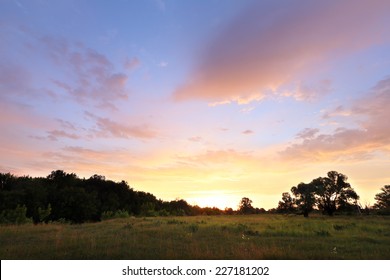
{"x":219,"y":199}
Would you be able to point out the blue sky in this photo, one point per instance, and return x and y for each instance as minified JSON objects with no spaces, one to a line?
{"x":208,"y":101}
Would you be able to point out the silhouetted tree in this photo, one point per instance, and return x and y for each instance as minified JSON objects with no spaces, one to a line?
{"x":305,"y":197}
{"x":6,"y":181}
{"x":75,"y":205}
{"x":62,"y":179}
{"x":334,"y":192}
{"x":245,"y":206}
{"x":287,"y":205}
{"x":383,"y":198}
{"x":64,"y":196}
{"x":229,"y":211}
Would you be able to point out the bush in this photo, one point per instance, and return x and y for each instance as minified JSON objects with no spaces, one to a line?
{"x":383,"y":212}
{"x":14,"y":216}
{"x":163,"y":213}
{"x":43,"y":214}
{"x":107,"y":215}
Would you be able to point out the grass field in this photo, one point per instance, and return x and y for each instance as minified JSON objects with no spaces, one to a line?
{"x":203,"y":237}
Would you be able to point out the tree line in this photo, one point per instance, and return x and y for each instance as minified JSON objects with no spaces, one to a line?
{"x":64,"y":196}
{"x":330,"y":194}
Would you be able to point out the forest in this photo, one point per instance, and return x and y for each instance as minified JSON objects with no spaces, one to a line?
{"x":65,"y":197}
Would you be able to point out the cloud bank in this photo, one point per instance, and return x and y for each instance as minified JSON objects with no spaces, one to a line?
{"x":273,"y":42}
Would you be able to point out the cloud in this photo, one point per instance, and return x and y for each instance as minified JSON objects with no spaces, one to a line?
{"x":248,"y":131}
{"x":338,"y":111}
{"x":371,"y":115}
{"x":307,"y":133}
{"x":66,"y":124}
{"x":131,"y":63}
{"x":309,"y":92}
{"x":93,"y":78}
{"x":82,"y":73}
{"x":163,"y":64}
{"x":273,"y":43}
{"x":195,"y":139}
{"x":247,"y":110}
{"x":110,"y":128}
{"x":55,"y":134}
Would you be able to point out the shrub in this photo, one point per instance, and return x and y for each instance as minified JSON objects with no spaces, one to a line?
{"x":14,"y":216}
{"x":107,"y":215}
{"x":43,"y":214}
{"x":163,"y":213}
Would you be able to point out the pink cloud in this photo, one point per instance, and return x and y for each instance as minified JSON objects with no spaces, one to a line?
{"x":308,"y":133}
{"x":195,"y":139}
{"x":81,"y":73}
{"x":67,"y":124}
{"x":248,"y":131}
{"x":88,"y":76}
{"x":373,"y":134}
{"x":338,"y":111}
{"x":131,"y":63}
{"x":273,"y":42}
{"x":110,"y":128}
{"x":55,"y":134}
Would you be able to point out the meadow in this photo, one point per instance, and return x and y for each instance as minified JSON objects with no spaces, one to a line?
{"x":203,"y":237}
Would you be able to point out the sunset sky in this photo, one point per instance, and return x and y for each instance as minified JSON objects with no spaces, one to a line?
{"x":208,"y":101}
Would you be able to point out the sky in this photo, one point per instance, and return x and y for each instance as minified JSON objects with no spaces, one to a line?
{"x":207,"y":101}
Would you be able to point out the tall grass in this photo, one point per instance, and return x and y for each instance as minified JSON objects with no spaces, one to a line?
{"x":217,"y":237}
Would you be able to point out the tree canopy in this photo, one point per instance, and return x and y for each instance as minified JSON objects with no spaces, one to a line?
{"x":334,"y":192}
{"x":305,"y":197}
{"x":383,"y":198}
{"x":287,"y":205}
{"x":245,"y":206}
{"x":329,"y":194}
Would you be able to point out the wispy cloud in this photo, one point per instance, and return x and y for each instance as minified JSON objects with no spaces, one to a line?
{"x":195,"y":139}
{"x":82,"y":73}
{"x":109,"y":128}
{"x":91,"y":78}
{"x":338,"y":111}
{"x":131,"y":63}
{"x":273,"y":43}
{"x":308,"y":133}
{"x":163,"y":64}
{"x":248,"y":131}
{"x":309,"y":92}
{"x":371,"y":135}
{"x":55,"y":134}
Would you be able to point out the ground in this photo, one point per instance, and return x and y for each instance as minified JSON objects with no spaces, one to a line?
{"x":203,"y":237}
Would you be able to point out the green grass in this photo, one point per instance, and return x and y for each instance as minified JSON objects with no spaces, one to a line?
{"x":203,"y":237}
